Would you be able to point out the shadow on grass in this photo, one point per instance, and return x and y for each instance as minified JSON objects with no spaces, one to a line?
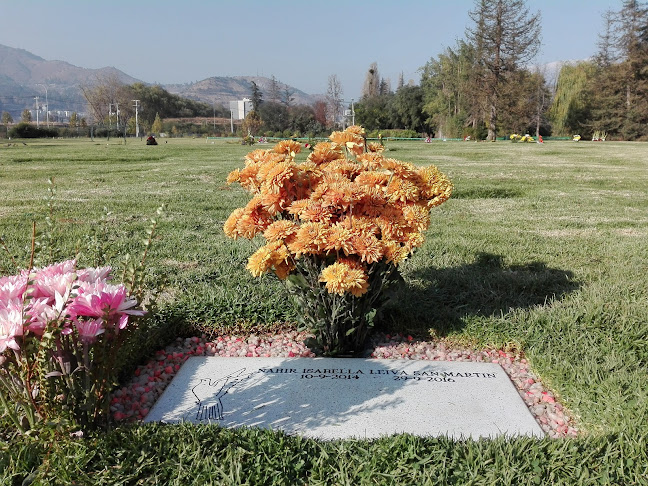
{"x":442,"y":298}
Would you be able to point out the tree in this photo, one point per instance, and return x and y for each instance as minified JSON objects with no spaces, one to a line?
{"x":252,"y":123}
{"x":333,"y":100}
{"x":26,"y":116}
{"x":572,"y":101}
{"x":275,"y":116}
{"x":157,"y":124}
{"x":6,"y":120}
{"x":407,"y":109}
{"x":374,"y":113}
{"x":255,"y":96}
{"x":401,"y":81}
{"x":74,"y":119}
{"x":287,"y":96}
{"x":273,"y":92}
{"x":371,"y":86}
{"x":320,"y":109}
{"x":505,"y":37}
{"x":449,"y":85}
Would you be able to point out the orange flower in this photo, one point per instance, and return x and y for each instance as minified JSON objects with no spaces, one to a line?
{"x":367,"y":247}
{"x":298,"y":206}
{"x":339,"y":196}
{"x":316,"y":210}
{"x":375,"y":147}
{"x":254,"y":219}
{"x":372,"y":203}
{"x":310,"y":239}
{"x":348,"y":140}
{"x":372,"y":179}
{"x":274,"y":176}
{"x":340,"y":278}
{"x":339,"y":238}
{"x":395,"y":252}
{"x":402,"y":190}
{"x":258,"y":155}
{"x":230,"y":225}
{"x":281,"y":230}
{"x":272,"y":255}
{"x":287,"y":147}
{"x":356,"y":129}
{"x":371,"y":161}
{"x":323,"y":154}
{"x":273,"y":202}
{"x":417,"y":216}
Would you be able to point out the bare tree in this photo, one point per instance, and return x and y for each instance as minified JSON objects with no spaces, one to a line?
{"x":334,"y":100}
{"x":109,"y":102}
{"x":505,"y":37}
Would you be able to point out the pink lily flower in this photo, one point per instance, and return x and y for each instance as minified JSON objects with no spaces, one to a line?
{"x":11,"y":326}
{"x":109,"y":302}
{"x":89,"y":330}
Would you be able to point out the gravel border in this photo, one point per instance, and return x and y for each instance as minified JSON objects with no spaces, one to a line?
{"x":133,"y":401}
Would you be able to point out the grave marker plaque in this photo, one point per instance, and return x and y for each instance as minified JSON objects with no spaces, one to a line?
{"x":334,"y":398}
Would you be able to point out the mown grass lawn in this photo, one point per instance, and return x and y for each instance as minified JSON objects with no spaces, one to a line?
{"x":542,"y":247}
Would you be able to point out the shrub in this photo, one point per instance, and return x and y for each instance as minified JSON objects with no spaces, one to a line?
{"x":27,"y":130}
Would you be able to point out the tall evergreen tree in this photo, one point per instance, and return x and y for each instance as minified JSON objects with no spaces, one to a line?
{"x":256,"y":96}
{"x":505,"y":37}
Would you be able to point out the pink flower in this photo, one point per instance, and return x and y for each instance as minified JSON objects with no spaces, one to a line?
{"x":11,"y":325}
{"x":48,"y":285}
{"x":89,"y":330}
{"x":62,"y":268}
{"x":92,"y":275}
{"x":109,"y":302}
{"x":12,"y":287}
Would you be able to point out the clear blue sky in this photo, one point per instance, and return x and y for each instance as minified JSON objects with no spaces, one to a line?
{"x":301,"y":43}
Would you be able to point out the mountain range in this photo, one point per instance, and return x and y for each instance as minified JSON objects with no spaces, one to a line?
{"x":25,"y":76}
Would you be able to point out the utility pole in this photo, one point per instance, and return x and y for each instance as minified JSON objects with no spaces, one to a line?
{"x":136,"y":121}
{"x":37,"y":122}
{"x":46,"y":103}
{"x":46,"y":107}
{"x":117,"y":111}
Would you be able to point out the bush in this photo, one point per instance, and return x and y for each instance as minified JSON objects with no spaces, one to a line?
{"x":27,"y":130}
{"x":394,"y":133}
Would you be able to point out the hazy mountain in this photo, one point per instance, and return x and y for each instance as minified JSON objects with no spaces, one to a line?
{"x":222,"y":90}
{"x":23,"y":76}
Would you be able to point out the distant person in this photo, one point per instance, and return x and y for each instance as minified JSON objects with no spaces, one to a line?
{"x":151,"y":140}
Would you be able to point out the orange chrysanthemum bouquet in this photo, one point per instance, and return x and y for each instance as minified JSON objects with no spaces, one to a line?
{"x":336,"y":228}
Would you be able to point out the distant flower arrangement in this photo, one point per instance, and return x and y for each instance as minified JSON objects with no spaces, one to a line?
{"x":338,"y":223}
{"x":521,"y":138}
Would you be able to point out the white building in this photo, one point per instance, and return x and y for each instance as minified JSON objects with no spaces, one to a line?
{"x":240,"y":109}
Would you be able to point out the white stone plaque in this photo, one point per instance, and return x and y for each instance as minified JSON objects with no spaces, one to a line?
{"x":335,"y":398}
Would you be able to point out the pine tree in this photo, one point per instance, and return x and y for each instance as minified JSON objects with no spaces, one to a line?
{"x":256,"y":96}
{"x":505,"y":37}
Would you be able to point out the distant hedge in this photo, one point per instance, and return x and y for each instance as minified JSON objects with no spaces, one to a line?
{"x":27,"y":130}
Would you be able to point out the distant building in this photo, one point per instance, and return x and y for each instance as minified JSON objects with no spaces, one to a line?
{"x":240,"y":109}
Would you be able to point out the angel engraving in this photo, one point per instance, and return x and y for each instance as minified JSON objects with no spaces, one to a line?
{"x":209,"y":393}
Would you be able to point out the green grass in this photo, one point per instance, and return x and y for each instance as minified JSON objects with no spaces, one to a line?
{"x":544,"y":247}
